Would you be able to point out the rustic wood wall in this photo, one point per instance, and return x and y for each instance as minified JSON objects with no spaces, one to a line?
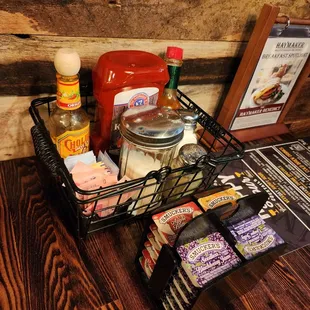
{"x":212,"y":33}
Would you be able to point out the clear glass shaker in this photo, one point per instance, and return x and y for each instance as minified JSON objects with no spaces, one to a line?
{"x":177,"y":185}
{"x":189,"y":119}
{"x":150,"y":136}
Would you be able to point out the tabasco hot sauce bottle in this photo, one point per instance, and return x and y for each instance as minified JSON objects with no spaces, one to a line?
{"x":174,"y":60}
{"x":69,"y":123}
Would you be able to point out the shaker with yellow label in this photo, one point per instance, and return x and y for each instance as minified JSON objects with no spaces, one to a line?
{"x":69,"y":123}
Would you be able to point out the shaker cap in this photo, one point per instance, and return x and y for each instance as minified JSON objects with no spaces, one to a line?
{"x":153,"y":127}
{"x":174,"y":52}
{"x":190,"y":153}
{"x":67,"y":61}
{"x":188,"y":117}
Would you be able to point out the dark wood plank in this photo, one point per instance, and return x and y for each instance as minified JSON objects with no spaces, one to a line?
{"x":27,"y":62}
{"x":300,"y":128}
{"x":301,"y":107}
{"x":194,"y":19}
{"x":42,"y":254}
{"x":111,"y":253}
{"x":12,"y":287}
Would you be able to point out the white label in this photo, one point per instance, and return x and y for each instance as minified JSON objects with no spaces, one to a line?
{"x":130,"y":99}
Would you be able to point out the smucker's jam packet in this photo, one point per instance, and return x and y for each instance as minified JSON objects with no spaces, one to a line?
{"x":149,"y":259}
{"x":207,"y":258}
{"x":187,"y":291}
{"x":170,"y":222}
{"x":173,"y":305}
{"x":254,"y":236}
{"x":219,"y":199}
{"x":177,"y":298}
{"x":159,"y":240}
{"x":145,"y":266}
{"x":149,"y":248}
{"x":165,"y":304}
{"x":155,"y":246}
{"x":187,"y":282}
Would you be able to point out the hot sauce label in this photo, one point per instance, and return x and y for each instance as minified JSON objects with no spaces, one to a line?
{"x":72,"y":142}
{"x":68,"y":94}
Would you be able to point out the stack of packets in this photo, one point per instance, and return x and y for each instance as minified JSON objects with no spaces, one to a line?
{"x":164,"y":230}
{"x":90,"y":174}
{"x":254,"y":236}
{"x":202,"y":260}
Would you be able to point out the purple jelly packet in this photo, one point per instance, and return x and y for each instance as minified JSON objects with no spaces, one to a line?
{"x":248,"y":223}
{"x":254,"y":236}
{"x":207,"y":258}
{"x":171,"y":302}
{"x":187,"y":282}
{"x":266,"y":240}
{"x":177,"y":298}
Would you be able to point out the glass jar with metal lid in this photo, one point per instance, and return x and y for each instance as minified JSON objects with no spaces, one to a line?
{"x":184,"y":182}
{"x":150,"y":136}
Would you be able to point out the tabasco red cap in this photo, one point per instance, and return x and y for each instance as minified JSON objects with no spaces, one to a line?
{"x":174,"y":52}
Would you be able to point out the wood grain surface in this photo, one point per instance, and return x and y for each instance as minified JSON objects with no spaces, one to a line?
{"x":27,"y":62}
{"x":169,"y":19}
{"x":41,"y":267}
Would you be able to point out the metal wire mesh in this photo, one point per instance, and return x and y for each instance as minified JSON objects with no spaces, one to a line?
{"x":108,"y":206}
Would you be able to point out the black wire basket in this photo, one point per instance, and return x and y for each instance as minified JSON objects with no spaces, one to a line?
{"x":147,"y":193}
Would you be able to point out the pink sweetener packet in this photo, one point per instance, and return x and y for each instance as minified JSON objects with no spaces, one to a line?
{"x":104,"y":206}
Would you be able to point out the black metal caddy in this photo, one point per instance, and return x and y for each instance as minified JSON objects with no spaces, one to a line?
{"x":229,"y":149}
{"x":219,"y":292}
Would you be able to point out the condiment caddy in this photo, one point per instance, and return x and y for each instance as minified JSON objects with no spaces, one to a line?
{"x":207,"y":166}
{"x":172,"y":279}
{"x":143,"y":122}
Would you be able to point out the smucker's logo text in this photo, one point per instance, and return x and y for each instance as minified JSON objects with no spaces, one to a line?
{"x":194,"y":254}
{"x":218,"y":200}
{"x":265,"y":244}
{"x":165,"y":218}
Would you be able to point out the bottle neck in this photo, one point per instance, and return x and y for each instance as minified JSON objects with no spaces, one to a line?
{"x":68,"y":92}
{"x":174,"y":73}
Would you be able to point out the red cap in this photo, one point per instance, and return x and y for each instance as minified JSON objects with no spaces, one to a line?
{"x":174,"y":52}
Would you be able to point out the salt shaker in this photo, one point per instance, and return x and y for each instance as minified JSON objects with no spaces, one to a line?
{"x":189,"y":119}
{"x":177,"y":184}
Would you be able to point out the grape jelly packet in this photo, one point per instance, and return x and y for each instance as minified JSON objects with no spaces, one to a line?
{"x":207,"y":258}
{"x":254,"y":236}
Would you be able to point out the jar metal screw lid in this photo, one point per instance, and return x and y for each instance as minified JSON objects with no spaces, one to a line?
{"x":152,"y":127}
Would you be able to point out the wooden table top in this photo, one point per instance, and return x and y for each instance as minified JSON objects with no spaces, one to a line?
{"x":41,"y":266}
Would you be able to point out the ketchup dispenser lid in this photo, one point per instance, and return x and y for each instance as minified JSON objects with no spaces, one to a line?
{"x":119,"y":69}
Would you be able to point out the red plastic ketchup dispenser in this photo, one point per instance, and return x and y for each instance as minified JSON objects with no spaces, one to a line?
{"x":122,"y":80}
